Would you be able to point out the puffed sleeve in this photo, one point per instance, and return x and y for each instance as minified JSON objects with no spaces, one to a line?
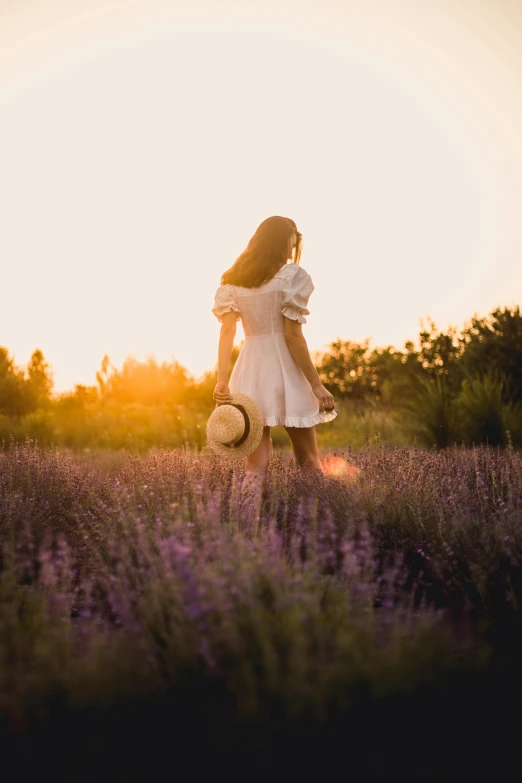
{"x":296,"y":294}
{"x":225,"y":302}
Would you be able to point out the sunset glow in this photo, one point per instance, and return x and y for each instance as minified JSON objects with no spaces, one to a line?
{"x":143,"y":142}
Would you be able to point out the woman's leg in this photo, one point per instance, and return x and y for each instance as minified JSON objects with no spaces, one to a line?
{"x":304,"y":443}
{"x":257,"y":462}
{"x":255,"y":472}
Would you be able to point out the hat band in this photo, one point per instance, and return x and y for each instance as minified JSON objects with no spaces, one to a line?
{"x":244,"y":436}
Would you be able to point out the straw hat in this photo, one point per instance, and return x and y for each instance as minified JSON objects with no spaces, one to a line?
{"x":235,"y":429}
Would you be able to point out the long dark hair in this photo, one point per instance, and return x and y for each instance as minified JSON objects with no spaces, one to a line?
{"x":265,"y":254}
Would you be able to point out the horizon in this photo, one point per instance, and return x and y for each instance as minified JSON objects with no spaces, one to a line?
{"x":423,"y":323}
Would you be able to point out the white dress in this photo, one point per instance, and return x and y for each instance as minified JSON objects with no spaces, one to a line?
{"x":265,"y":369}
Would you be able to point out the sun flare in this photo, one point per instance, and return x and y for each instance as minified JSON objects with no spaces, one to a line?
{"x":338,"y":467}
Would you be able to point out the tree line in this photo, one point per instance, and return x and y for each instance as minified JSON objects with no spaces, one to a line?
{"x":453,"y":386}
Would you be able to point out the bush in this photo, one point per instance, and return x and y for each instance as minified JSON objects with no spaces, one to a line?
{"x":483,"y":414}
{"x":430,"y":415}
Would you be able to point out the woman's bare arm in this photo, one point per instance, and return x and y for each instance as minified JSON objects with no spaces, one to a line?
{"x":226,"y":342}
{"x":297,"y":344}
{"x":295,"y":340}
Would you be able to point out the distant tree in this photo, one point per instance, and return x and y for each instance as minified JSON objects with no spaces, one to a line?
{"x":400,"y":376}
{"x":13,"y":400}
{"x":351,"y":370}
{"x":494,"y":344}
{"x":39,"y":382}
{"x":393,"y":372}
{"x":439,"y":351}
{"x":86,"y":395}
{"x":201,"y":394}
{"x":103,"y":374}
{"x":148,"y":383}
{"x":345,"y":370}
{"x":82,"y":397}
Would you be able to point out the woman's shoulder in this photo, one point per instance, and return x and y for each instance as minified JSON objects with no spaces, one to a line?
{"x":225,"y":291}
{"x":292,"y":271}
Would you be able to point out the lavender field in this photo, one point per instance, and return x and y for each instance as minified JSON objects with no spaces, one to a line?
{"x":369,"y":621}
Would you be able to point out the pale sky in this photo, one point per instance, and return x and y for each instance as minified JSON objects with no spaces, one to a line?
{"x":142,"y":142}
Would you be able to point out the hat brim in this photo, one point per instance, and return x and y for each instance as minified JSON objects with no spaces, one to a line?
{"x":254,"y":436}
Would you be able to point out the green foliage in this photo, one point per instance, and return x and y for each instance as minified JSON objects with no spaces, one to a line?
{"x":369,"y":425}
{"x":39,"y":382}
{"x":394,"y":372}
{"x":346,"y":371}
{"x":439,"y":355}
{"x":351,"y":371}
{"x":429,"y":415}
{"x":483,"y":414}
{"x":21,"y":395}
{"x":12,"y":398}
{"x":445,"y":388}
{"x":494,"y":344}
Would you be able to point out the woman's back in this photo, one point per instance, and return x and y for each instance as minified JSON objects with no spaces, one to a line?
{"x":262,"y":309}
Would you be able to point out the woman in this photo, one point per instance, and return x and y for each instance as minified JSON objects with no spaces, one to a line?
{"x":274,"y":367}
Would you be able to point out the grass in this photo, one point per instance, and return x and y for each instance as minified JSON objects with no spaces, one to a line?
{"x":152,"y":627}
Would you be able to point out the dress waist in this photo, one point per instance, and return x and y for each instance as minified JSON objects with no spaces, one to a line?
{"x":265,"y":334}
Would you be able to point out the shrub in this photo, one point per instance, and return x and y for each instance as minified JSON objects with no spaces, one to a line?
{"x":430,"y":416}
{"x":482,"y":413}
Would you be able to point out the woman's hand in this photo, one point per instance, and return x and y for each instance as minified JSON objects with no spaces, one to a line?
{"x":222,"y":393}
{"x":326,"y":400}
